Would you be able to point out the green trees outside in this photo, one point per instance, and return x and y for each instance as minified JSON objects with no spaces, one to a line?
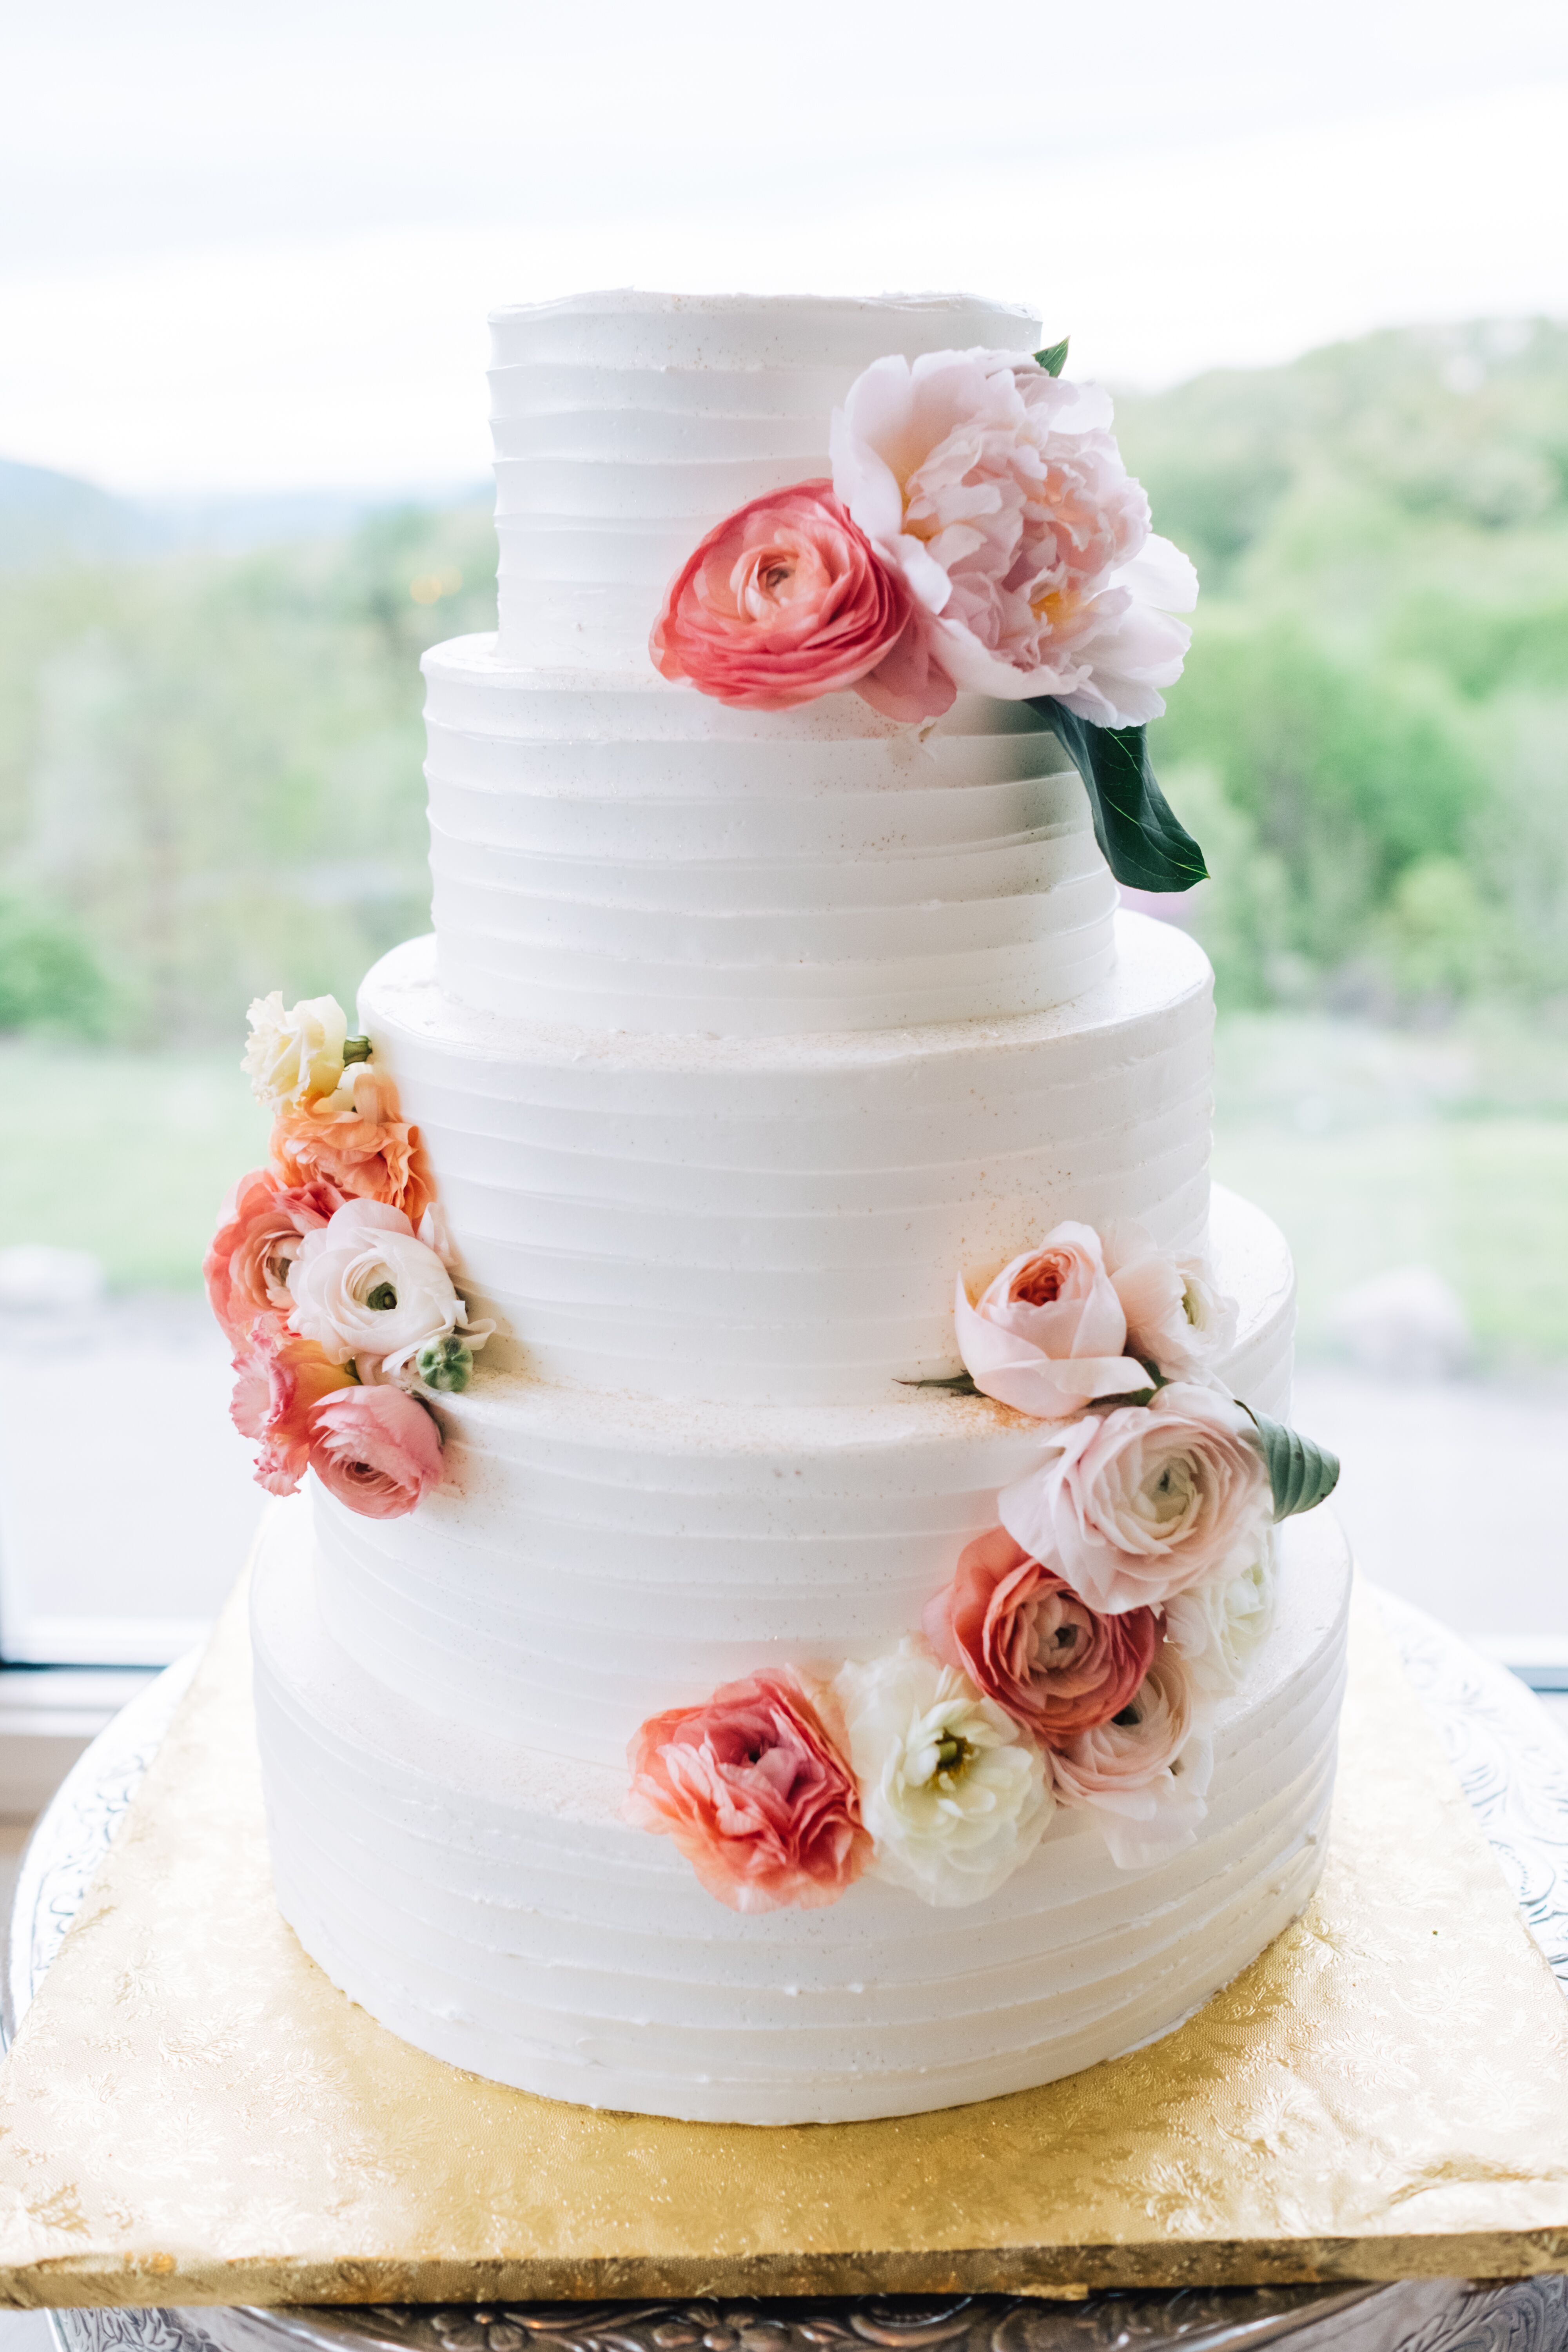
{"x":210,"y":766}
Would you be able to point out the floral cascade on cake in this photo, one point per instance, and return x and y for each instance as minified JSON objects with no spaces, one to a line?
{"x":980,"y":532}
{"x":330,"y":1276}
{"x":1078,"y":1651}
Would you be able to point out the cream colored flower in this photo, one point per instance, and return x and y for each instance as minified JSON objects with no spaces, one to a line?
{"x":368,"y":1292}
{"x":295,"y":1055}
{"x":953,"y":1794}
{"x":1218,"y":1626}
{"x":1178,"y":1315}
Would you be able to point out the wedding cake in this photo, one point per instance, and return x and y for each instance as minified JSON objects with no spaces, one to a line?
{"x":801,"y":1611}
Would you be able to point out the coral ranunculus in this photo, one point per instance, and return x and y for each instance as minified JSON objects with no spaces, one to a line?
{"x":999,"y":493}
{"x":281,"y":1381}
{"x":260,"y":1227}
{"x":360,"y":1145}
{"x":377,"y":1450}
{"x":786,"y":600}
{"x":1023,"y":1637}
{"x":754,"y":1792}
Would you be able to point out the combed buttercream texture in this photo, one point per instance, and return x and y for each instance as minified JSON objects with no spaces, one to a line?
{"x":741,"y":1035}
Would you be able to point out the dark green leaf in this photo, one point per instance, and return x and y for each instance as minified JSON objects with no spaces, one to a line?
{"x":1302,"y":1475}
{"x":1145,"y":845}
{"x":1053,"y":359}
{"x":961,"y":1384}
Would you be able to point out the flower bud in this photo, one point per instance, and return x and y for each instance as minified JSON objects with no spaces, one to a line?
{"x":448,"y":1363}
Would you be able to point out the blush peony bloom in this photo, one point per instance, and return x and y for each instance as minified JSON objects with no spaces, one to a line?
{"x":355,"y":1140}
{"x":1145,"y":1774}
{"x":377,"y":1450}
{"x":1026,"y":1640}
{"x":754,"y":1793}
{"x":260,"y":1226}
{"x":295,"y":1056}
{"x":1215,"y":1628}
{"x":1177,"y":1316}
{"x":1000,"y":495}
{"x":784,"y":600}
{"x":370,"y":1293}
{"x":956,"y":1796}
{"x":1048,"y":1334}
{"x":1148,"y":1500}
{"x":281,"y":1380}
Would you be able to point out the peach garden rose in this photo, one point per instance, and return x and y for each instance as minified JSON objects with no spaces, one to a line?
{"x":754,"y":1793}
{"x":1048,"y":1334}
{"x":355,"y":1139}
{"x":259,"y":1230}
{"x":784,"y":600}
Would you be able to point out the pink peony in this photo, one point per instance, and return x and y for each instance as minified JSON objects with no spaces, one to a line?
{"x":1143,"y":1502}
{"x":784,"y":600}
{"x":1000,"y":495}
{"x":282,"y":1379}
{"x":260,"y":1226}
{"x":360,"y":1147}
{"x":1145,"y":1772}
{"x":1049,"y":1333}
{"x":754,"y":1792}
{"x":1025,"y":1638}
{"x":377,"y":1450}
{"x":1177,"y":1316}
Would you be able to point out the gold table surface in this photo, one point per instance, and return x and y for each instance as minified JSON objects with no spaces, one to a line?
{"x":191,"y":2114}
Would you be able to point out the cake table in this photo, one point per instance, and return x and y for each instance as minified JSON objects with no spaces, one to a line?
{"x":1515,"y":1775}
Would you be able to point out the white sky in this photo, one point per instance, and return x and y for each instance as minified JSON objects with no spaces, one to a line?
{"x":252,"y":247}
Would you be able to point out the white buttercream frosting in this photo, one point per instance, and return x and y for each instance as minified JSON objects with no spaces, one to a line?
{"x":624,"y":855}
{"x":480,"y":1896}
{"x":782,"y":1218}
{"x":590,"y":1559}
{"x":627,"y":424}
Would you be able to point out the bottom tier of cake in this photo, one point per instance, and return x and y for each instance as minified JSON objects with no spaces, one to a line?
{"x":480,"y":1896}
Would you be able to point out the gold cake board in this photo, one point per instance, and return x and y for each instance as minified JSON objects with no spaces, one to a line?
{"x":191,"y":2113}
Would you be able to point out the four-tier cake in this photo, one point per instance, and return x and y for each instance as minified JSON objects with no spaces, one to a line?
{"x":763,"y":1034}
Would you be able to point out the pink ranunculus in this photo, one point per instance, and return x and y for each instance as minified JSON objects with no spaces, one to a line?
{"x":1145,"y":1773}
{"x":1146,"y":1500}
{"x":784,"y":600}
{"x":281,"y":1381}
{"x":999,"y":493}
{"x":1023,"y":1637}
{"x":376,"y":1449}
{"x":755,"y":1792}
{"x":1178,"y":1315}
{"x":360,"y":1145}
{"x":1048,"y":1334}
{"x":260,"y":1227}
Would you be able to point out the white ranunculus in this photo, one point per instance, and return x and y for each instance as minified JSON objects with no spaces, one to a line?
{"x":956,"y":1796}
{"x":1218,"y":1626}
{"x":371,"y":1293}
{"x":999,"y":493}
{"x":1178,"y":1315}
{"x":296,"y":1054}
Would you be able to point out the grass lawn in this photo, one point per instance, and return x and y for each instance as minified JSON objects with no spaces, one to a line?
{"x":127,"y":1155}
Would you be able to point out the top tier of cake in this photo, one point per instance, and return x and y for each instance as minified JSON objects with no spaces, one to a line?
{"x":627,"y":424}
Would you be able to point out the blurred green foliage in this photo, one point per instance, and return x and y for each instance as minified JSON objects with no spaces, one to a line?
{"x":210,"y":772}
{"x":1377,"y":691}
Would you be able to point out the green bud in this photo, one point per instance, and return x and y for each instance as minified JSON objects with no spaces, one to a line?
{"x":445,"y":1364}
{"x":355,"y":1049}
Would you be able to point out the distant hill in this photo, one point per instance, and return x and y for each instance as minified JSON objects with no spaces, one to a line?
{"x":48,"y":518}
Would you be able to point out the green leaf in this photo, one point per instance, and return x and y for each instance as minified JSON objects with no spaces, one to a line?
{"x":1302,"y":1475}
{"x":1053,"y":359}
{"x":1145,"y":845}
{"x":961,"y":1384}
